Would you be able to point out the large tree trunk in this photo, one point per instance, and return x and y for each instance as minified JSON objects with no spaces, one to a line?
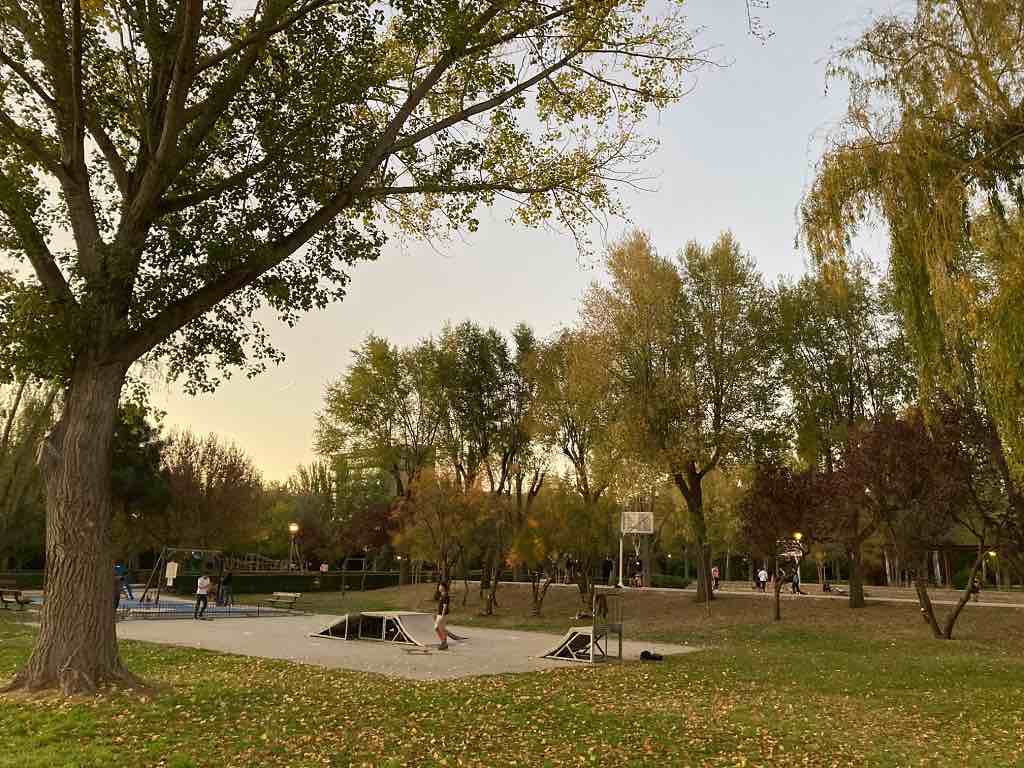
{"x":927,"y":610}
{"x":856,"y":579}
{"x":690,"y":487}
{"x":76,"y":649}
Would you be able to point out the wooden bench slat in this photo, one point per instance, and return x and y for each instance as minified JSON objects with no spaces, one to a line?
{"x":285,"y":599}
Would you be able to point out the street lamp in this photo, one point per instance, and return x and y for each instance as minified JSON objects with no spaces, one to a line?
{"x":293,"y":551}
{"x":798,"y":536}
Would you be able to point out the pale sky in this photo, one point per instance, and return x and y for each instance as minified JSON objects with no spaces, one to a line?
{"x":735,"y":154}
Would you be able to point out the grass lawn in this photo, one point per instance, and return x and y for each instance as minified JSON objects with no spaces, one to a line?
{"x":827,"y":687}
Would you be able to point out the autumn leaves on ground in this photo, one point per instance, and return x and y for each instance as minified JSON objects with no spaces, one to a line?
{"x":828,"y":686}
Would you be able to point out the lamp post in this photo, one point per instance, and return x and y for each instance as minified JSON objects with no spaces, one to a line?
{"x":293,"y":551}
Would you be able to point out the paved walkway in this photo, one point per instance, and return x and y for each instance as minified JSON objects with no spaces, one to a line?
{"x":990,"y":598}
{"x":485,"y":652}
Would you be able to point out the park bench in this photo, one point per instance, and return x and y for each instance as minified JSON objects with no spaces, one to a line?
{"x":11,"y":598}
{"x":284,"y":599}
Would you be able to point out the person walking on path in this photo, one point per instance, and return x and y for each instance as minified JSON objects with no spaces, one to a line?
{"x":202,"y":596}
{"x":714,"y":577}
{"x":762,"y":580}
{"x":441,"y":620}
{"x":976,"y":589}
{"x":224,"y":594}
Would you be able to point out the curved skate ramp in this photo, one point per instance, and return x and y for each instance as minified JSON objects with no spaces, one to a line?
{"x":407,"y":627}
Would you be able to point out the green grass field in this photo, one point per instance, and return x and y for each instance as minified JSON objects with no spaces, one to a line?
{"x":827,"y":687}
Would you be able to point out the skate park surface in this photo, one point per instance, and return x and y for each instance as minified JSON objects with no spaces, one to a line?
{"x":485,"y":651}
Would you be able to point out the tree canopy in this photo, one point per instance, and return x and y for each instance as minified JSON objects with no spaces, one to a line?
{"x":201,"y":156}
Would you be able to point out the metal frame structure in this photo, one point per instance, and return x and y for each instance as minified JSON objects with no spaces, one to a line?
{"x":155,"y":580}
{"x":591,"y":644}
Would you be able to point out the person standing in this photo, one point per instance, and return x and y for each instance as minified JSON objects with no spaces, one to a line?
{"x":796,"y":582}
{"x":224,"y":595}
{"x":714,"y":577}
{"x":202,"y":596}
{"x":606,"y":570}
{"x":762,"y":579}
{"x":123,"y":577}
{"x":441,"y":620}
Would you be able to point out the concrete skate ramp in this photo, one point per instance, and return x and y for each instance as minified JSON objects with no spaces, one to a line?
{"x":339,"y":630}
{"x":407,"y":627}
{"x":587,"y":643}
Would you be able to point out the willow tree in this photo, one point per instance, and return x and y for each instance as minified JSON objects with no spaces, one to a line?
{"x":167,"y":168}
{"x":691,"y":358}
{"x":932,"y":147}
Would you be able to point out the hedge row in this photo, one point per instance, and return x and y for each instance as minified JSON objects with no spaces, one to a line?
{"x":263,"y":583}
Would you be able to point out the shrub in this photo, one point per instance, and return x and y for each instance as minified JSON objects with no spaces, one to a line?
{"x":669,"y":580}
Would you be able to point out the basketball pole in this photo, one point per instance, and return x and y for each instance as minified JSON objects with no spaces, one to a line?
{"x":621,"y":536}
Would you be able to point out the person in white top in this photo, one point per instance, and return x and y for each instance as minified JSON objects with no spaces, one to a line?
{"x":202,"y":596}
{"x":762,"y":580}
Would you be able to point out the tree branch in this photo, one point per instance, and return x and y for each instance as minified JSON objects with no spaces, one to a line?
{"x":182,"y":74}
{"x":483,"y":106}
{"x":27,"y":78}
{"x":39,"y":256}
{"x":182,"y":202}
{"x":468,"y":187}
{"x":116,"y":164}
{"x":261,"y":36}
{"x":34,"y":143}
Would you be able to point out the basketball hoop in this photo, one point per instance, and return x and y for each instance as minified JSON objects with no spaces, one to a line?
{"x":637,"y":520}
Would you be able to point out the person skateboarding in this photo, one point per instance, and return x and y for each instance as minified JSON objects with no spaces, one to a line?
{"x":443,"y":609}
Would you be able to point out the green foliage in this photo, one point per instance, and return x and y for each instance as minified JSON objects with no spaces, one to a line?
{"x":386,"y":411}
{"x":669,"y":580}
{"x":843,"y":356}
{"x":690,"y":351}
{"x":209,"y":161}
{"x":575,"y":410}
{"x":438,"y":521}
{"x":560,"y":524}
{"x":931,"y":147}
